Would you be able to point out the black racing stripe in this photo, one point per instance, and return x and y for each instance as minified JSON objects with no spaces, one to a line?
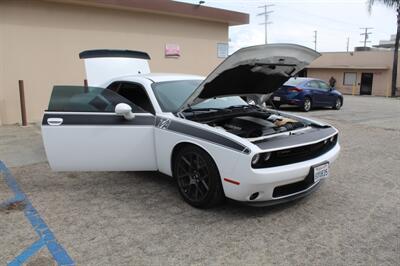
{"x":99,"y":120}
{"x":206,"y":135}
{"x":299,"y":138}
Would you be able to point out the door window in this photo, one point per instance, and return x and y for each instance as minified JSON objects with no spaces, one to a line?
{"x":313,"y":84}
{"x":133,"y":92}
{"x":323,"y":86}
{"x":87,"y":99}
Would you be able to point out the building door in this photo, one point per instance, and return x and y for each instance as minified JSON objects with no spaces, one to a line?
{"x":366,"y":83}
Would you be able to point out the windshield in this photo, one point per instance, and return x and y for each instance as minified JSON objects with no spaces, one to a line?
{"x":172,"y":94}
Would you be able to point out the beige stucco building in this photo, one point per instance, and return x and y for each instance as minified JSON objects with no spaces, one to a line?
{"x":40,"y":41}
{"x":359,"y":72}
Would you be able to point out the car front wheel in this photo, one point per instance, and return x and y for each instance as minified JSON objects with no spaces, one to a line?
{"x":307,"y":104}
{"x":338,"y":104}
{"x":197,"y":177}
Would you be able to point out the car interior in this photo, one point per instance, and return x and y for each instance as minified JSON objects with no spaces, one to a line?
{"x":135,"y":93}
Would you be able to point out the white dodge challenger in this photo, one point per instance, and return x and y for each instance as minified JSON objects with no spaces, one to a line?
{"x":198,"y":130}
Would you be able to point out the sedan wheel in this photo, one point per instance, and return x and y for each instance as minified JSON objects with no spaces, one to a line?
{"x":338,"y":104}
{"x":197,"y":177}
{"x":307,"y":104}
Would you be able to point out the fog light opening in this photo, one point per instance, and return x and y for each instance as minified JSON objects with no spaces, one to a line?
{"x":254,"y":196}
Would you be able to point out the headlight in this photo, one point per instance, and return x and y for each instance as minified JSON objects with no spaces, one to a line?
{"x":260,"y":158}
{"x":266,"y":156}
{"x":255,"y":159}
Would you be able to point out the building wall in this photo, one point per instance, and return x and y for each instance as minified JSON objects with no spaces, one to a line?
{"x":380,"y":83}
{"x":40,"y":42}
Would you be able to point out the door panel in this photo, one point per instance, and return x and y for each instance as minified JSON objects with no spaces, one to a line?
{"x":317,"y":94}
{"x":99,"y":142}
{"x":328,"y":98}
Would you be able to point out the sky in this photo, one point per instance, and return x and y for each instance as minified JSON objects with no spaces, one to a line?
{"x":294,"y":21}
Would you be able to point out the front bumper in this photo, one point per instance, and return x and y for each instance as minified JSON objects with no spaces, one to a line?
{"x":292,"y":197}
{"x":264,"y":181}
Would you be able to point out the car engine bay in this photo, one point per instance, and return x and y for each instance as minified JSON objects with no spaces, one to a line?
{"x":247,"y":123}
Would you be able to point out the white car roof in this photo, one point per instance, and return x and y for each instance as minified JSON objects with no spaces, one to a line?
{"x":160,"y":77}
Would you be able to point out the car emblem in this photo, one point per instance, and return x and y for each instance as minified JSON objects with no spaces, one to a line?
{"x":164,"y":123}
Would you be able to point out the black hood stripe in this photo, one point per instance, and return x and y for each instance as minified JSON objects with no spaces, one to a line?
{"x":205,"y":135}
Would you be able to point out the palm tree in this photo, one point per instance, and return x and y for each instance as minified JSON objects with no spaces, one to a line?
{"x":392,"y":4}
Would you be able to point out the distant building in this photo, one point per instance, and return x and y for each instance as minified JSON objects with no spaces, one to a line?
{"x":359,"y":72}
{"x":389,"y":44}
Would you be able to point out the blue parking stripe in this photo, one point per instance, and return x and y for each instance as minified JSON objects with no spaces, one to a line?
{"x":43,"y":231}
{"x":27,"y":253}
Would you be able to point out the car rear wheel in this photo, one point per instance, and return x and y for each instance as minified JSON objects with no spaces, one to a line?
{"x":338,"y":104}
{"x":307,"y":104}
{"x":197,"y":177}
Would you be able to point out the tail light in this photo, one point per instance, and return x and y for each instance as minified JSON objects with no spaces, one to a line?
{"x":294,"y":89}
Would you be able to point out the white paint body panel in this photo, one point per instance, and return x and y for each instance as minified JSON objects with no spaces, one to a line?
{"x":100,"y":148}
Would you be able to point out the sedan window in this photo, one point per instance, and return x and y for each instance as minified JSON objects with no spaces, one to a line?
{"x":323,"y":85}
{"x":313,"y":84}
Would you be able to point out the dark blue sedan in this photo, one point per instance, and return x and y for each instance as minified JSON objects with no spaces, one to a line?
{"x":307,"y":93}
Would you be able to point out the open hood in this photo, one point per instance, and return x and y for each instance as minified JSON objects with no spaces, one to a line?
{"x":260,"y":69}
{"x":103,"y":65}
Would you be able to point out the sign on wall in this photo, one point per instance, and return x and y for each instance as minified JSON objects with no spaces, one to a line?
{"x":222,"y":50}
{"x":172,"y":50}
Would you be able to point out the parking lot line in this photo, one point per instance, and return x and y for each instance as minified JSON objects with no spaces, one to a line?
{"x":43,"y":231}
{"x":27,"y":253}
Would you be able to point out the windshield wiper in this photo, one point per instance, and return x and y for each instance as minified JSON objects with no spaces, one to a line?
{"x":202,"y":109}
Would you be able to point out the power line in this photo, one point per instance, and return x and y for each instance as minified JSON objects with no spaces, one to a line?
{"x":366,"y":35}
{"x":266,"y":19}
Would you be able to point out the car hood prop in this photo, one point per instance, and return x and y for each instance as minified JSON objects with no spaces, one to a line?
{"x":260,"y":69}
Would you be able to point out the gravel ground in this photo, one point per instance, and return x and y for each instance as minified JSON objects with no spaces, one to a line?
{"x":139,"y":219}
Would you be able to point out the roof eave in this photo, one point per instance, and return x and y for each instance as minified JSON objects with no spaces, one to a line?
{"x":167,"y":7}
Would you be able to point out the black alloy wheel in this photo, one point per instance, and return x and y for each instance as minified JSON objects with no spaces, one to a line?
{"x":197,"y":177}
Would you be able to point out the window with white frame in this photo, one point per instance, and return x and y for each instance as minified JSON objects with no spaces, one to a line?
{"x":350,"y":78}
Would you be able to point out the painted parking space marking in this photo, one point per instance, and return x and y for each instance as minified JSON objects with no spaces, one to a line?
{"x":46,"y":236}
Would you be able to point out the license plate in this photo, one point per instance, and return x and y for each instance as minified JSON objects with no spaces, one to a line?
{"x":276,"y":98}
{"x":321,"y":171}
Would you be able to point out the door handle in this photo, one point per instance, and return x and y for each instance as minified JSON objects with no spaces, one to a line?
{"x":54,"y":121}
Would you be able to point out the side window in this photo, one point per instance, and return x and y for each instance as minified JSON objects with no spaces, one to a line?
{"x":86,"y":99}
{"x":323,"y":85}
{"x":313,"y":84}
{"x":135,"y":93}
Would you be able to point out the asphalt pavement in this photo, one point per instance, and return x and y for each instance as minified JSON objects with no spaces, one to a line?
{"x":139,"y":218}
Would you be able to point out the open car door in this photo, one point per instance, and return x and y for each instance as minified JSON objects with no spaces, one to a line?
{"x":82,"y":132}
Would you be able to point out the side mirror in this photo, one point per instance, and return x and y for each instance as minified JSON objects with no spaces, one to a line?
{"x":124,"y":110}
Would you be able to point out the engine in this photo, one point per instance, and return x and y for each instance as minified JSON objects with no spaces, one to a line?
{"x":252,"y":127}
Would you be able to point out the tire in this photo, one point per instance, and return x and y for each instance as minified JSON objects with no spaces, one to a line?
{"x":338,"y":104}
{"x":276,"y":105}
{"x":307,"y":105}
{"x":197,"y":177}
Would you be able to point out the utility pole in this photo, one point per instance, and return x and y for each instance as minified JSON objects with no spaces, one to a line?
{"x":315,"y":40}
{"x":366,"y":35}
{"x":348,"y":41}
{"x":266,"y":19}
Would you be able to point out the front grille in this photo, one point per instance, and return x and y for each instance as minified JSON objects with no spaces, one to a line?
{"x":294,"y":187}
{"x":299,"y":154}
